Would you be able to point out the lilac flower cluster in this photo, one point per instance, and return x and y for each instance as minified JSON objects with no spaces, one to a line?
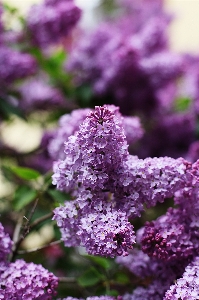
{"x":174,"y":236}
{"x":38,"y":94}
{"x":69,"y":124}
{"x":158,"y":275}
{"x":103,"y":177}
{"x":186,"y":287}
{"x":27,"y":281}
{"x":140,"y":64}
{"x":15,"y":65}
{"x":20,"y":280}
{"x":47,"y":23}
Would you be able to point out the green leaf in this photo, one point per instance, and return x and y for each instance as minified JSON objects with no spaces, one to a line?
{"x":58,"y":196}
{"x":25,"y":173}
{"x":90,"y":278}
{"x":23,"y":196}
{"x":182,"y":104}
{"x":113,"y":293}
{"x":101,"y":261}
{"x":7,"y":109}
{"x":122,"y":278}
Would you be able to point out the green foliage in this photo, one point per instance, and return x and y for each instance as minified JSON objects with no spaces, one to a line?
{"x":58,"y":196}
{"x":90,"y":277}
{"x":182,"y":104}
{"x":100,"y":261}
{"x":23,"y":196}
{"x":25,"y":173}
{"x":7,"y":109}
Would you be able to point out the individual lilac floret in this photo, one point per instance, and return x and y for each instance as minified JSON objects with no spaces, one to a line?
{"x":27,"y":281}
{"x":186,"y":287}
{"x":170,"y":237}
{"x":49,"y":22}
{"x":15,"y":65}
{"x":38,"y":94}
{"x":5,"y":244}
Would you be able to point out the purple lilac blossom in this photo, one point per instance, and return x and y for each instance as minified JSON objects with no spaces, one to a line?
{"x":107,"y":233}
{"x":178,"y":130}
{"x":186,"y":287}
{"x":154,"y":274}
{"x":155,"y":291}
{"x":5,"y":244}
{"x":170,"y":237}
{"x":99,"y":170}
{"x":138,"y":63}
{"x":27,"y":281}
{"x":193,"y":152}
{"x":174,"y":236}
{"x":36,"y":93}
{"x":15,"y":65}
{"x":47,"y":23}
{"x":69,"y":124}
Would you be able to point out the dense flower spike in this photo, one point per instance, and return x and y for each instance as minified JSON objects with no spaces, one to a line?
{"x":69,"y":124}
{"x":186,"y":287}
{"x":27,"y":281}
{"x":51,"y":21}
{"x":5,"y":244}
{"x":94,"y":155}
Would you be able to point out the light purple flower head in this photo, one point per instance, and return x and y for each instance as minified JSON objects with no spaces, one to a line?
{"x":186,"y":287}
{"x":27,"y":281}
